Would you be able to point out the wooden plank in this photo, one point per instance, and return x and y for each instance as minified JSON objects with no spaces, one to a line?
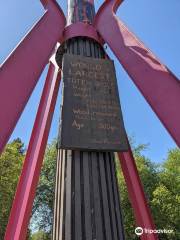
{"x":68,"y":197}
{"x":105,"y":202}
{"x":87,"y":203}
{"x":91,"y":114}
{"x":78,"y":220}
{"x":57,"y":209}
{"x":56,"y":200}
{"x":73,"y":195}
{"x":81,"y":47}
{"x":96,"y":50}
{"x":68,"y":47}
{"x":92,"y":196}
{"x":92,"y":49}
{"x":71,"y":47}
{"x":97,"y":202}
{"x":111,"y":200}
{"x":62,"y":209}
{"x":116,"y":199}
{"x":75,"y":48}
{"x":84,"y":47}
{"x":88,"y":50}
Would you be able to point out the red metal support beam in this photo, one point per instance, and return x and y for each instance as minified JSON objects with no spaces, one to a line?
{"x":22,"y":69}
{"x":23,"y":201}
{"x":136,"y":194}
{"x":157,"y":84}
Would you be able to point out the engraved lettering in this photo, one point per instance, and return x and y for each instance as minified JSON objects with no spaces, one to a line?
{"x":77,"y":125}
{"x":91,"y":107}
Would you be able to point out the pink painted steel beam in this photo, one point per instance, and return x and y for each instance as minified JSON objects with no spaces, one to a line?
{"x":136,"y":194}
{"x":21,"y":71}
{"x":23,"y":201}
{"x":157,"y":84}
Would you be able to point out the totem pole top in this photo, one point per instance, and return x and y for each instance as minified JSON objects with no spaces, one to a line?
{"x":80,"y":11}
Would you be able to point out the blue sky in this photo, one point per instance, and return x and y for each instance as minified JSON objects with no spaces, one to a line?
{"x":156,"y":23}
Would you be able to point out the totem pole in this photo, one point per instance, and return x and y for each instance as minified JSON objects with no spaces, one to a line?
{"x":86,"y":194}
{"x":87,"y":204}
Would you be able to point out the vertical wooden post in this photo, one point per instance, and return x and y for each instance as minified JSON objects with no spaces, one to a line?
{"x":87,"y":201}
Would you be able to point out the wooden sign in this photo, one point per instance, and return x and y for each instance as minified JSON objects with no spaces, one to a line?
{"x":91,"y":112}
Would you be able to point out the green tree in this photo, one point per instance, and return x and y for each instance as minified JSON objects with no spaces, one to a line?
{"x":148,"y":174}
{"x":161,"y":184}
{"x":40,"y":235}
{"x":10,"y":167}
{"x":162,"y":188}
{"x":166,"y":196}
{"x":42,"y":214}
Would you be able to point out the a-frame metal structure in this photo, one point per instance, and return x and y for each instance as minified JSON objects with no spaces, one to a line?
{"x":21,"y":71}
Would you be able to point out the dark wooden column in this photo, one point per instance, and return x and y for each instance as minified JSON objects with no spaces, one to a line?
{"x":87,"y":204}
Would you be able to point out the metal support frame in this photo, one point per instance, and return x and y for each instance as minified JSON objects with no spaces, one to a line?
{"x":136,"y":194}
{"x":157,"y":84}
{"x":22,"y":205}
{"x":22,"y":69}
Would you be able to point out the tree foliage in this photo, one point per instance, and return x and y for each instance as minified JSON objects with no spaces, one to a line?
{"x":162,"y":188}
{"x":40,"y":235}
{"x":42,"y":214}
{"x":161,"y":184}
{"x":10,"y":167}
{"x":166,"y":196}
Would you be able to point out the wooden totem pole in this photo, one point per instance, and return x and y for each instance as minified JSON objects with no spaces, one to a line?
{"x":87,"y":202}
